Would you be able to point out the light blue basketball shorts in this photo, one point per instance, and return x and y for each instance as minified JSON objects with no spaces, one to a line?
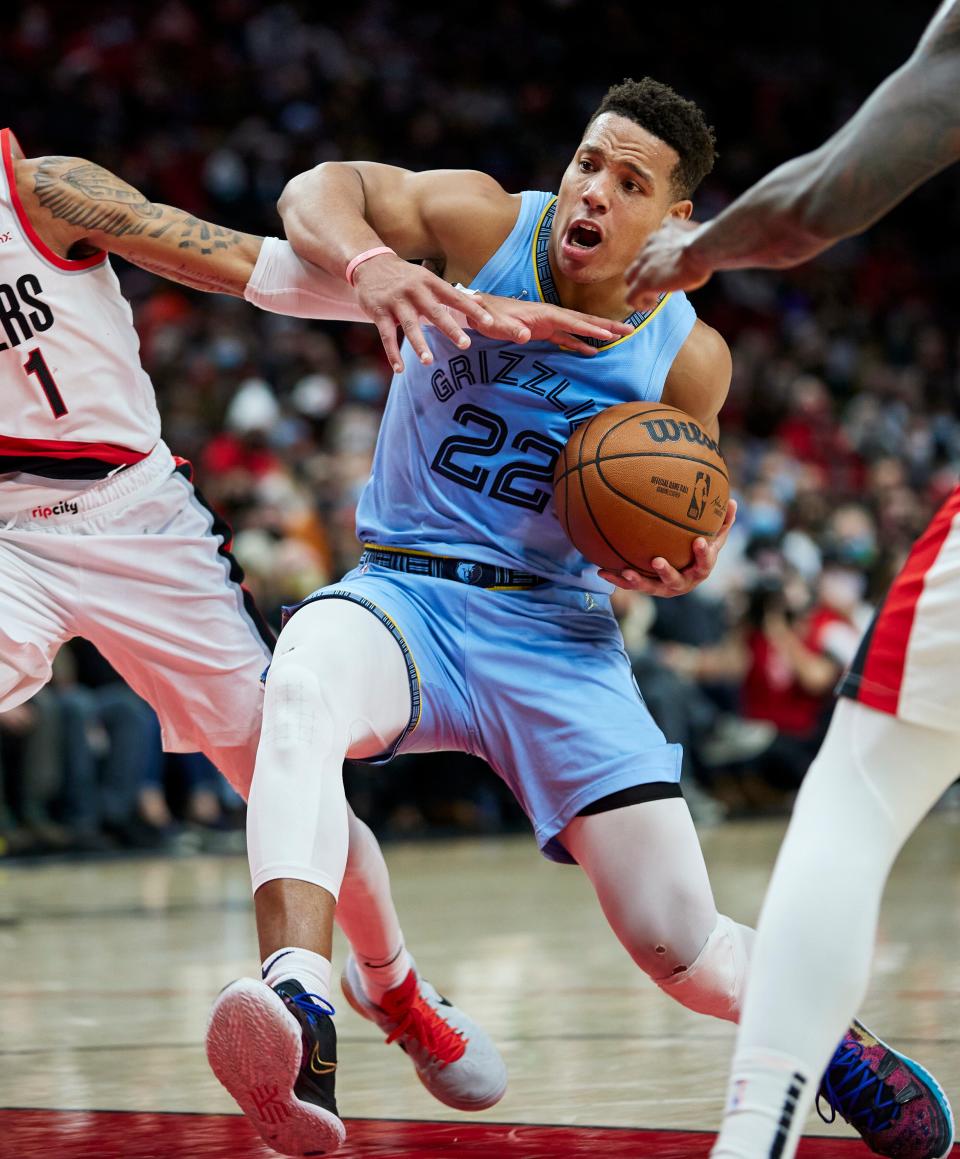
{"x":535,"y":682}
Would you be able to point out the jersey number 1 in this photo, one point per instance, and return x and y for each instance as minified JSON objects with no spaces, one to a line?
{"x":36,"y":364}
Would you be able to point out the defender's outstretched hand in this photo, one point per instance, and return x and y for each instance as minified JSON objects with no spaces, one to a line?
{"x":671,"y":582}
{"x":397,"y":294}
{"x":519,"y":321}
{"x":667,"y":262}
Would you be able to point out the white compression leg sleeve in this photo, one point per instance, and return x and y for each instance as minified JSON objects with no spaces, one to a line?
{"x":646,"y":865}
{"x":367,"y":915}
{"x":338,"y":686}
{"x":873,"y":781}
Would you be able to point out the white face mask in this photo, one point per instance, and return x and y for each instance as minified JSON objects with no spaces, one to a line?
{"x":842,"y":589}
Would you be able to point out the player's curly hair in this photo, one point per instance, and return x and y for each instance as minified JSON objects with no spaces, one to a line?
{"x":680,"y":123}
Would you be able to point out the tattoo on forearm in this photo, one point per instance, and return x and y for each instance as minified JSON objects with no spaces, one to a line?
{"x":92,"y":198}
{"x":199,"y":235}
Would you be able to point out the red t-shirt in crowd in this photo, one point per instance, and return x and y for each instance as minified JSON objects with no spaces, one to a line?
{"x":225,"y":452}
{"x":772,"y":692}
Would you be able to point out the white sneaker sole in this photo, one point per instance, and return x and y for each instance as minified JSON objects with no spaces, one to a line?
{"x":442,"y":1093}
{"x":254,"y":1047}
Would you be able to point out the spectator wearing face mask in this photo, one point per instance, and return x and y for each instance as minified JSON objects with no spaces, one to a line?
{"x":798,"y":644}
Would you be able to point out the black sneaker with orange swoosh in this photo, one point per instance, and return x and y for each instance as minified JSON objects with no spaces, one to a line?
{"x":317,"y":1079}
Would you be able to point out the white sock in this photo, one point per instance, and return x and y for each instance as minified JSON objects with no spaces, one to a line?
{"x":768,"y":1101}
{"x":311,"y":970}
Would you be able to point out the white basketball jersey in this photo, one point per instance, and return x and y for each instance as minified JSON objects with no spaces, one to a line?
{"x":77,"y":402}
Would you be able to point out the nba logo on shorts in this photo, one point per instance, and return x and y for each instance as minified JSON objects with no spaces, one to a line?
{"x":468,"y":573}
{"x":698,"y":500}
{"x":737,"y":1092}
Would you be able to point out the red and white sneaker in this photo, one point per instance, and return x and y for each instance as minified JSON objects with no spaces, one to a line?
{"x":454,"y":1058}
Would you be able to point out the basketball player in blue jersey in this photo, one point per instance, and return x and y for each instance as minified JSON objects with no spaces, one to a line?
{"x":893,"y":745}
{"x":471,"y":622}
{"x":102,"y":533}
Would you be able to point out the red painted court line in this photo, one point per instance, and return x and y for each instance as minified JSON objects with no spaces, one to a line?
{"x":35,"y":1134}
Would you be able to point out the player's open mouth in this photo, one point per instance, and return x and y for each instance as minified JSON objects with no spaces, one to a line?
{"x":583,"y":235}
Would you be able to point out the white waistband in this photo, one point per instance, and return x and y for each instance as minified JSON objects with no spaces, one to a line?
{"x":55,"y":505}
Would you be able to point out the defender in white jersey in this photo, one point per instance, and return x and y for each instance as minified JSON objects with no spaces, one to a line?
{"x":894,"y":742}
{"x":102,"y":534}
{"x":471,"y":622}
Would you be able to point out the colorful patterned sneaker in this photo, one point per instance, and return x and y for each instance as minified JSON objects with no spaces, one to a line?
{"x":276,"y":1053}
{"x":898,"y":1108}
{"x":455,"y":1059}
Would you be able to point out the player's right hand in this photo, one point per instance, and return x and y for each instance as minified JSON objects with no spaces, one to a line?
{"x":397,"y":295}
{"x":670,"y":581}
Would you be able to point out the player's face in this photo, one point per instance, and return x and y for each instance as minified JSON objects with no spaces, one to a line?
{"x":616,"y":191}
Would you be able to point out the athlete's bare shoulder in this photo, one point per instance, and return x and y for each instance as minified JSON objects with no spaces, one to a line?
{"x":700,"y":376}
{"x":469,"y":214}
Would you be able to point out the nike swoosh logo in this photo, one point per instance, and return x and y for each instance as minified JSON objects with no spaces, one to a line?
{"x":265,"y":970}
{"x":318,"y":1065}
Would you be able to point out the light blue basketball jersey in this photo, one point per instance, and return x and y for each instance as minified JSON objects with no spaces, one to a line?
{"x":465,"y":456}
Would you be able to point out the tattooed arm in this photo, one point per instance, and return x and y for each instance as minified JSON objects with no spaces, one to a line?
{"x":78,"y":207}
{"x":908,"y":130}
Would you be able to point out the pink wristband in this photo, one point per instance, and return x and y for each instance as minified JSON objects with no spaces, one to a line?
{"x":365,"y":256}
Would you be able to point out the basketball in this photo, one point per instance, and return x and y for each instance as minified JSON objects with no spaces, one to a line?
{"x":640,"y":480}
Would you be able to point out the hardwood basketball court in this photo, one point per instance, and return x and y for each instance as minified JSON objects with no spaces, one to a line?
{"x":109,"y":969}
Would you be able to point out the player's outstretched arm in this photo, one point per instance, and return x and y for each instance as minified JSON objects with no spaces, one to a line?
{"x":285,"y":283}
{"x":907,"y":131}
{"x":79,"y":207}
{"x":339,"y":212}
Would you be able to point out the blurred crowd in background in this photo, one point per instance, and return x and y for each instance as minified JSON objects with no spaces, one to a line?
{"x":842,"y":430}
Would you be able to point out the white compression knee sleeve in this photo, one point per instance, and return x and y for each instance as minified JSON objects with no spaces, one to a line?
{"x":871,"y":784}
{"x":714,"y":984}
{"x":338,"y":686}
{"x":297,"y":820}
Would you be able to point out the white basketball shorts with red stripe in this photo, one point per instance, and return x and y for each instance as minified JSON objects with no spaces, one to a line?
{"x":141,"y":567}
{"x":908,"y":663}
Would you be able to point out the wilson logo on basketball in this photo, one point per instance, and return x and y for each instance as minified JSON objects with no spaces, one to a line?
{"x":671,"y":431}
{"x":701,"y":492}
{"x":640,"y":480}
